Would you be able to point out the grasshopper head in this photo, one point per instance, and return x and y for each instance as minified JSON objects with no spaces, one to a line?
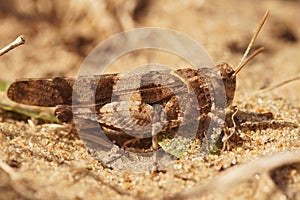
{"x":229,"y":79}
{"x":228,"y":75}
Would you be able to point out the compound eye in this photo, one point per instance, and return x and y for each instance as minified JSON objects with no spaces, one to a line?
{"x":229,"y":71}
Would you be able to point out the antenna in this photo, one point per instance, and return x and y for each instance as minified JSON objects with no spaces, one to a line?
{"x":242,"y":63}
{"x":255,"y":53}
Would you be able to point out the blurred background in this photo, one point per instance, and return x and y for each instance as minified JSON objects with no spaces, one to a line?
{"x":60,"y":34}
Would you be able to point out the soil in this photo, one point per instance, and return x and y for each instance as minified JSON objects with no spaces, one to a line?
{"x":43,"y":161}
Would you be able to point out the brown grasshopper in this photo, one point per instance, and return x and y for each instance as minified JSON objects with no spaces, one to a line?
{"x":187,"y":98}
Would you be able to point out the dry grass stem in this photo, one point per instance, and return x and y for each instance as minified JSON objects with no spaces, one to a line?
{"x":18,"y":42}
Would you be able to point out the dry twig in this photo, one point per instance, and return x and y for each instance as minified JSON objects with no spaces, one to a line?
{"x":239,"y":174}
{"x":19,"y":41}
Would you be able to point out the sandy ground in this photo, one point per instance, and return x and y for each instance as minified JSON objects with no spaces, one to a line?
{"x":44,"y":162}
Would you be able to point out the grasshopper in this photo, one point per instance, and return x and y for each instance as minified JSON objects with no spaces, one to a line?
{"x":188,"y":97}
